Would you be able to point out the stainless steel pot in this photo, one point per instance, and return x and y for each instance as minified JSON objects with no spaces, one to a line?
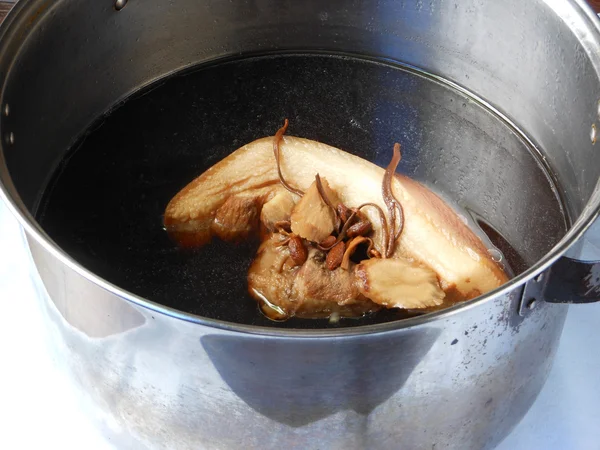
{"x":155,"y":377}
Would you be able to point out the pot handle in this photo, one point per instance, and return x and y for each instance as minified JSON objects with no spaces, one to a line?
{"x":574,"y":278}
{"x":568,"y":280}
{"x":572,"y":281}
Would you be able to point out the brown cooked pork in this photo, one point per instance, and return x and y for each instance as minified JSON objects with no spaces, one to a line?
{"x":307,"y":196}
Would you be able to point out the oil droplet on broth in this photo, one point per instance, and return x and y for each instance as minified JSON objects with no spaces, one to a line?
{"x":496,"y":255}
{"x":499,"y":258}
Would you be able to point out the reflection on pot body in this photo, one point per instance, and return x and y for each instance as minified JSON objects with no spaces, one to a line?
{"x":168,"y":383}
{"x":68,"y":290}
{"x":305,"y":382}
{"x":459,"y":380}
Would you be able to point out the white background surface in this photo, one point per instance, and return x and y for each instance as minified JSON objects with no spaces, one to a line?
{"x":39,"y":411}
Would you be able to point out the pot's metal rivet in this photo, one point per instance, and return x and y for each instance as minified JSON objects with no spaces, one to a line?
{"x":10,"y":138}
{"x":120,"y":4}
{"x":6,"y":109}
{"x":531,"y":304}
{"x":593,"y":133}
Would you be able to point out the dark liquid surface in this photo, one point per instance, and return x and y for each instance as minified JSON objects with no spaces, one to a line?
{"x":105,"y":203}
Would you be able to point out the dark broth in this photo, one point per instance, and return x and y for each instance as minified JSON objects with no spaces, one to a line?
{"x":105,"y":203}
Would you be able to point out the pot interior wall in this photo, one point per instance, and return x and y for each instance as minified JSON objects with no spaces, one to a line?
{"x":80,"y":59}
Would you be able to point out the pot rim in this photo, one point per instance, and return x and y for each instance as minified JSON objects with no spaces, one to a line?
{"x":591,"y":211}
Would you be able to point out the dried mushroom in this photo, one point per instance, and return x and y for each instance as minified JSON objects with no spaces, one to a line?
{"x":312,"y":218}
{"x":396,"y":283}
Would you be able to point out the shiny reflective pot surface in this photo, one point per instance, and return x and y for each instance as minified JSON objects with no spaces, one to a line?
{"x":157,"y":378}
{"x":155,"y":381}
